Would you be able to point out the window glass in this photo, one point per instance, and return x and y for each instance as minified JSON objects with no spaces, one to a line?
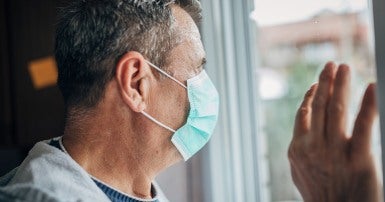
{"x":294,"y":40}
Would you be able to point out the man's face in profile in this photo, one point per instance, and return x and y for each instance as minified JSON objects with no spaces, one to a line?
{"x":186,"y":60}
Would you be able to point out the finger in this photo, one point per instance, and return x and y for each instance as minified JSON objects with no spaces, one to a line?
{"x":320,"y":101}
{"x":337,"y":107}
{"x":363,"y":126}
{"x":303,"y":117}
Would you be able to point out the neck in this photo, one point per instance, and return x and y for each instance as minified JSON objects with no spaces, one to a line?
{"x":111,"y":153}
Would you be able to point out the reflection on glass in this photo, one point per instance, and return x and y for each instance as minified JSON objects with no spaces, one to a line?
{"x":295,"y":39}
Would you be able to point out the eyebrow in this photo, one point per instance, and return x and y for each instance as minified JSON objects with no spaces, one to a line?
{"x":201,"y":65}
{"x":204,"y":61}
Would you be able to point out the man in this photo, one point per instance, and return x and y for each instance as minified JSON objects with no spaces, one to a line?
{"x":137,"y":100}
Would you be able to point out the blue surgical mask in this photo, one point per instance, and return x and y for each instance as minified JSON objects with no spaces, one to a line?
{"x":202,"y":118}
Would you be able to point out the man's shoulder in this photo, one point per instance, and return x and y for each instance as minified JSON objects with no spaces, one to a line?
{"x":22,"y":191}
{"x":48,"y":174}
{"x":25,"y":192}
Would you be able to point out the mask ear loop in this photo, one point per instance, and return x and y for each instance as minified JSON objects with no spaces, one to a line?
{"x":157,"y":122}
{"x":172,"y":78}
{"x":166,"y":74}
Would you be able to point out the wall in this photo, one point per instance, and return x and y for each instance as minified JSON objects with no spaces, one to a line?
{"x":27,"y":114}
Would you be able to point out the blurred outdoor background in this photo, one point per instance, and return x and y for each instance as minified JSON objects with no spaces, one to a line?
{"x":295,"y":39}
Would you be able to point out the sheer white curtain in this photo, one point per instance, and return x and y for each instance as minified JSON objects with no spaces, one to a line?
{"x":229,"y":163}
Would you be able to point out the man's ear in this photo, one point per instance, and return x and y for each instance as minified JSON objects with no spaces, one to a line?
{"x":133,"y":76}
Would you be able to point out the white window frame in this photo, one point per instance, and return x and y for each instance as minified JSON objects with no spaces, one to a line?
{"x":379,"y":32}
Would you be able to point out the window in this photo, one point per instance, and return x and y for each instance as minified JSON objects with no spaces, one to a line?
{"x":295,"y":40}
{"x":263,"y":55}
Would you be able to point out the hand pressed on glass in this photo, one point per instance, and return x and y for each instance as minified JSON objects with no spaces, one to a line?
{"x":326,"y":163}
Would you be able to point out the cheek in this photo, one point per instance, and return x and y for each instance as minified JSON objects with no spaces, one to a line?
{"x":187,"y":107}
{"x":173,"y":106}
{"x":182,"y":108}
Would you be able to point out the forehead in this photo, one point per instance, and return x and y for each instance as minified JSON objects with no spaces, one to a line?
{"x":187,"y":55}
{"x":184,"y":25}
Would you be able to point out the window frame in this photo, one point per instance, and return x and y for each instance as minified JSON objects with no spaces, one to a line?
{"x":379,"y":32}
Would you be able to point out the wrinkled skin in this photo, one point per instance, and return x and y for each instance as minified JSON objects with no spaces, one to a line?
{"x":326,"y":163}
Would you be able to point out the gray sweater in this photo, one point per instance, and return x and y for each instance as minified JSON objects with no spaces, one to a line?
{"x":48,"y":174}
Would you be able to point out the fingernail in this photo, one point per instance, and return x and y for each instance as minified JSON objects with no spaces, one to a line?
{"x":328,"y":72}
{"x":311,"y":89}
{"x":373,"y":85}
{"x":313,"y":86}
{"x":329,"y":68}
{"x":343,"y":67}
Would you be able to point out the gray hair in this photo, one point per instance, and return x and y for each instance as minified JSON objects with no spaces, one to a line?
{"x":93,"y":34}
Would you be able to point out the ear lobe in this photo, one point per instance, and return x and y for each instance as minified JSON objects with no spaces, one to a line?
{"x":132,"y":75}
